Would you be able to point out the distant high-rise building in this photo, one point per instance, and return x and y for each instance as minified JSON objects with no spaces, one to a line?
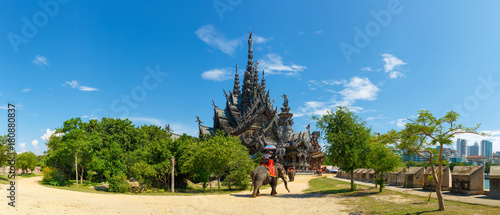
{"x":473,"y":150}
{"x":462,"y":148}
{"x":486,"y":148}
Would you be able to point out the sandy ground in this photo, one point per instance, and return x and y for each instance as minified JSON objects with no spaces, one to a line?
{"x":37,"y":199}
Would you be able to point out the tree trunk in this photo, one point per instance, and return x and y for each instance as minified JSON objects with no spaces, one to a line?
{"x":352,"y":181}
{"x":172,"y":172}
{"x":76,"y":168}
{"x":440,"y":198}
{"x":210,"y":184}
{"x":218,"y":183}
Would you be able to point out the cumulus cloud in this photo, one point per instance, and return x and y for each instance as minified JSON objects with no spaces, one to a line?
{"x":22,"y":145}
{"x":34,"y":143}
{"x":392,"y":65}
{"x":400,"y":123}
{"x":357,"y":88}
{"x":273,"y":65}
{"x":26,"y":90}
{"x":214,"y":38}
{"x":48,"y":134}
{"x":75,"y":85}
{"x":217,"y":74}
{"x":41,"y":61}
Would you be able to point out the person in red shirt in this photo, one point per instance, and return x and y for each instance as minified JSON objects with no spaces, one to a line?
{"x":269,"y":163}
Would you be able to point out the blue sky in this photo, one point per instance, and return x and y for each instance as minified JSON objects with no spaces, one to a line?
{"x":163,"y":62}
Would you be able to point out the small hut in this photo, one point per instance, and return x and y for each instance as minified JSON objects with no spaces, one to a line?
{"x":494,"y":182}
{"x":414,"y":177}
{"x":397,"y":177}
{"x":363,"y":174}
{"x":370,"y":176}
{"x":429,"y":182}
{"x":468,"y":180}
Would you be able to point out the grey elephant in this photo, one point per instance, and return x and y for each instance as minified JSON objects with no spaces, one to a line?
{"x":291,"y":175}
{"x":261,"y":176}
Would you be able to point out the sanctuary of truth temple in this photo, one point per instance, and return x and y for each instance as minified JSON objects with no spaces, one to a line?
{"x":250,"y":115}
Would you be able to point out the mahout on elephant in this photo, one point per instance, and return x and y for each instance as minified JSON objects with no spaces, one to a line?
{"x":261,"y":176}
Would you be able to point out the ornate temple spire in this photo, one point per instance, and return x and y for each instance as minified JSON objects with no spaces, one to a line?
{"x":256,"y":76}
{"x":236,"y":90}
{"x":247,"y":90}
{"x":263,"y":84}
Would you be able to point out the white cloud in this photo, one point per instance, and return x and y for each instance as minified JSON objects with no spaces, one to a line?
{"x":48,"y":134}
{"x":273,"y":65}
{"x":372,"y":118}
{"x":22,"y":145}
{"x":35,"y":143}
{"x":212,"y":37}
{"x":392,"y":64}
{"x":359,"y":89}
{"x":217,"y":74}
{"x":260,"y":40}
{"x":26,"y":90}
{"x":400,"y":123}
{"x":41,"y":61}
{"x":319,"y":31}
{"x":75,"y":85}
{"x":312,"y":84}
{"x":301,"y":33}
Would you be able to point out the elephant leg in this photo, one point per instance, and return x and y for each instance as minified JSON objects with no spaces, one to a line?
{"x":256,"y":189}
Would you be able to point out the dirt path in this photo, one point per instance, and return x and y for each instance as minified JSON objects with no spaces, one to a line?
{"x":37,"y":199}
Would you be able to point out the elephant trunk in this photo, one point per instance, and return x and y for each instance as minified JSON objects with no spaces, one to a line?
{"x":286,"y":184}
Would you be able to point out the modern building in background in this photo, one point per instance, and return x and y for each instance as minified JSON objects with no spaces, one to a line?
{"x":486,"y":148}
{"x":473,"y":150}
{"x":477,"y":159}
{"x":462,"y":148}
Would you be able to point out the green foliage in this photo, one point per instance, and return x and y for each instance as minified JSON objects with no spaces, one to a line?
{"x":118,"y":183}
{"x":114,"y":150}
{"x":346,"y":138}
{"x":54,"y":177}
{"x":222,"y":156}
{"x":4,"y":149}
{"x":25,"y":161}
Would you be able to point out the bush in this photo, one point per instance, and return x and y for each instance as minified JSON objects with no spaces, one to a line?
{"x":54,"y":177}
{"x":118,"y":183}
{"x":238,"y":178}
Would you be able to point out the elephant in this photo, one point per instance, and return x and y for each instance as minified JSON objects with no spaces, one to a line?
{"x":260,"y":176}
{"x":291,"y":175}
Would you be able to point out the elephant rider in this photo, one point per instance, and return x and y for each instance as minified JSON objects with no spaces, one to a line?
{"x":268,"y":162}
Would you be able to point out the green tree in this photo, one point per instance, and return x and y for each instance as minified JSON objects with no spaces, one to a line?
{"x":420,"y":134}
{"x":347,"y":139}
{"x":25,"y":161}
{"x":4,"y":149}
{"x":382,"y":160}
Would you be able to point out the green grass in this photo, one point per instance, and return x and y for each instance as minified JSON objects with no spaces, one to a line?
{"x":4,"y":179}
{"x":28,"y":175}
{"x":369,"y":201}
